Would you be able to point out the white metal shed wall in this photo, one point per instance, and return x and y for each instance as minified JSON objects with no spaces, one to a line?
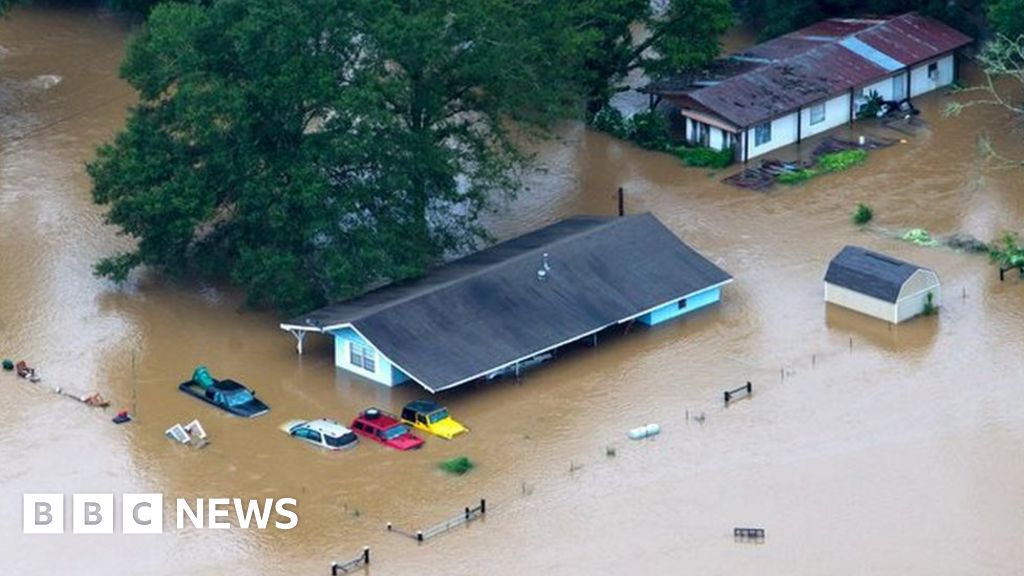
{"x":860,"y":302}
{"x":914,"y":294}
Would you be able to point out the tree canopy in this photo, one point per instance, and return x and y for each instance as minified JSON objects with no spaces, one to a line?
{"x":309,"y":149}
{"x":612,"y":38}
{"x":1006,"y":17}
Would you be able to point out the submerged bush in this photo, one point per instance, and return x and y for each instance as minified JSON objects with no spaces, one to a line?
{"x":457,"y":466}
{"x":919,"y":236}
{"x":648,"y":130}
{"x":842,"y":160}
{"x":796,"y":176}
{"x":702,"y":157}
{"x":610,"y":121}
{"x":929,"y":305}
{"x":862,"y":214}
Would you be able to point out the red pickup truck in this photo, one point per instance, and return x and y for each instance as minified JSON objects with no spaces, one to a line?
{"x":385,"y":428}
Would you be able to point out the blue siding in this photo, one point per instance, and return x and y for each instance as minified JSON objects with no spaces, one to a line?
{"x":680,"y":307}
{"x":384,"y":371}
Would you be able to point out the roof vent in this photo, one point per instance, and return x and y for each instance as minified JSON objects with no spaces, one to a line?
{"x":542,"y":272}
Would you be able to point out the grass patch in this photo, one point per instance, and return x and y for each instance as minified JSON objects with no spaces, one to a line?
{"x":862,"y":214}
{"x":826,"y":163}
{"x":457,"y":466}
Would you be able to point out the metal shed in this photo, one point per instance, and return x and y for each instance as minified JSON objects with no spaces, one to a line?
{"x":881,"y":286}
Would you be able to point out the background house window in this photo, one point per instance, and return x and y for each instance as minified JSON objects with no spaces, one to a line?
{"x":363,"y":357}
{"x":763,"y":134}
{"x":818,"y":113}
{"x":933,"y":71}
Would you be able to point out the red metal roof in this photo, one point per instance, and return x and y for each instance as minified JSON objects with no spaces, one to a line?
{"x":809,"y":65}
{"x":782,"y":87}
{"x":913,"y":38}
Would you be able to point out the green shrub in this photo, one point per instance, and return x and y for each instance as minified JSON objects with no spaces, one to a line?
{"x":842,"y":160}
{"x":648,"y":130}
{"x":610,"y":121}
{"x":797,"y":176}
{"x":919,"y":236}
{"x":862,"y":214}
{"x":457,"y":466}
{"x":706,"y":157}
{"x":873,"y":106}
{"x":929,"y":305}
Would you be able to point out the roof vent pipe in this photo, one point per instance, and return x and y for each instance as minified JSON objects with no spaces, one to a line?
{"x":542,"y":272}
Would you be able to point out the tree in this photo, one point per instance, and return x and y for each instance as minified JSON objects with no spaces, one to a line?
{"x":312,"y":148}
{"x":1006,"y":17}
{"x":1001,"y":59}
{"x":612,"y":38}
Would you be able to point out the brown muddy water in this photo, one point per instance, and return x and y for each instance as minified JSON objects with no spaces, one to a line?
{"x":901,"y":453}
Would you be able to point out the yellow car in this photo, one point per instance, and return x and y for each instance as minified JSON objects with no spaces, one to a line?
{"x":431,"y":417}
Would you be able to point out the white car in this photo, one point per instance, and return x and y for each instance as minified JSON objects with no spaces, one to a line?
{"x":321,"y":432}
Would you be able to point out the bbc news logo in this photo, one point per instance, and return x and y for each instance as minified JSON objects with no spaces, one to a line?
{"x":144,"y":513}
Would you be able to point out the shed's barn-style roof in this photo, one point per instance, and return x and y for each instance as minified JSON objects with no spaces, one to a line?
{"x":809,"y":65}
{"x":490,"y":310}
{"x":871,"y":273}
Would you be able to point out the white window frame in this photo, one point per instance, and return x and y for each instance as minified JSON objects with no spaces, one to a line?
{"x":762,"y":134}
{"x":817,"y":113}
{"x":364,"y":357}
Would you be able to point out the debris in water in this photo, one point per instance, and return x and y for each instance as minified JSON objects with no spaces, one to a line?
{"x":8,"y":364}
{"x":26,"y":372}
{"x":191,"y":433}
{"x":122,"y":417}
{"x":644,"y":432}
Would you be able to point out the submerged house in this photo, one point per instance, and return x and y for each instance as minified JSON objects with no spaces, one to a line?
{"x":504,"y":306}
{"x":880,"y":285}
{"x":795,"y":86}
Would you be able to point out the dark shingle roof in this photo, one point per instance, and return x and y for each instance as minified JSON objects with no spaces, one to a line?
{"x":489,"y":309}
{"x":870,"y":273}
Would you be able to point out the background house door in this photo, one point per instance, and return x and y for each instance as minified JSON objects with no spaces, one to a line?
{"x":899,"y":87}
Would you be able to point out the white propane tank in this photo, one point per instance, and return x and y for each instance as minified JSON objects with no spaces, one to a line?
{"x":644,"y":432}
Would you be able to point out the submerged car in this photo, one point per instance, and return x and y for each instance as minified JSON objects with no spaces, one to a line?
{"x":322,"y":432}
{"x":385,"y":428}
{"x":227,"y":395}
{"x":431,"y":417}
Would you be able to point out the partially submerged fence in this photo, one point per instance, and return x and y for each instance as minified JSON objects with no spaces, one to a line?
{"x":353,"y":564}
{"x":467,"y":516}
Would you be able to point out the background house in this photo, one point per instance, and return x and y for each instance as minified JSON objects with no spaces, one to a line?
{"x":517,"y":300}
{"x":795,"y":86}
{"x":880,"y":285}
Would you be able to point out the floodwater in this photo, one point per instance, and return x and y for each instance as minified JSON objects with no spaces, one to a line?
{"x":864,"y":449}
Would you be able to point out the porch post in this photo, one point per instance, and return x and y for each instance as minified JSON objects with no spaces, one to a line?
{"x":300,"y":335}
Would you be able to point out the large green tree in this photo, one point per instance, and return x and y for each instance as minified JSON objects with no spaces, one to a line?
{"x":309,"y":149}
{"x":612,"y":38}
{"x":1006,"y":17}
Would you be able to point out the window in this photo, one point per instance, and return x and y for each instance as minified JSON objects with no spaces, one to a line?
{"x":363,"y":357}
{"x":703,"y":134}
{"x":817,"y":113}
{"x":681,"y":305}
{"x":933,"y":71}
{"x":763,"y":134}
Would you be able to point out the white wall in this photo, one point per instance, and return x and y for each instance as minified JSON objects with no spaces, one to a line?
{"x":837,"y":112}
{"x":783,"y":133}
{"x":919,"y":81}
{"x":885,"y":87}
{"x":914,"y":294}
{"x":860,"y":302}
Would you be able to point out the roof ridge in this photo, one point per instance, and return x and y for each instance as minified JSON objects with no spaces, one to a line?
{"x":609,"y":221}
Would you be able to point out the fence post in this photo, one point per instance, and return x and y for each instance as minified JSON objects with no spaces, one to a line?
{"x":483,"y":506}
{"x":334,"y":569}
{"x":419,"y":535}
{"x":467,"y":512}
{"x":366,"y":554}
{"x":750,"y":388}
{"x":389,"y":526}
